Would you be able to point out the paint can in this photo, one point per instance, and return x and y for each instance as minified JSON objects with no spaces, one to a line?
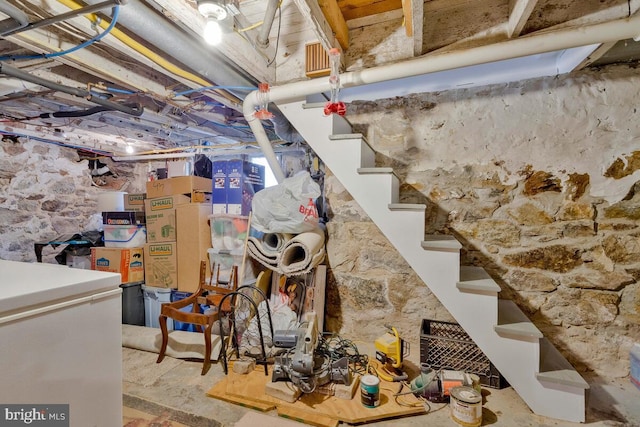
{"x":370,"y":391}
{"x":466,"y":406}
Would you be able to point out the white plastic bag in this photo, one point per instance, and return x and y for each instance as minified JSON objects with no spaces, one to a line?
{"x":288,"y":207}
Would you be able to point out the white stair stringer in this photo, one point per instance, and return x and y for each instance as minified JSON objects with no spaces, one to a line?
{"x":533,"y":367}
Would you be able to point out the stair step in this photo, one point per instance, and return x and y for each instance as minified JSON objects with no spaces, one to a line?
{"x":342,"y":136}
{"x":309,"y":105}
{"x":512,"y":322}
{"x":476,"y":279}
{"x":554,"y":368}
{"x":407,"y":207}
{"x":366,"y":154}
{"x":441,"y":242}
{"x":364,"y":171}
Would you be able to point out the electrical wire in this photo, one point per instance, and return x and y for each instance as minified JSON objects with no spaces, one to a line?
{"x":275,"y":54}
{"x":114,"y":19}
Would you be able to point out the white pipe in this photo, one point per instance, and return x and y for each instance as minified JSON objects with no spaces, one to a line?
{"x":566,"y":38}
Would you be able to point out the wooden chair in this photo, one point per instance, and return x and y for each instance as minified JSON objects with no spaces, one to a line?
{"x":209,"y":294}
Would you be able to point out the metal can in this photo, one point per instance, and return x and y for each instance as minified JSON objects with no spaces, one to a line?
{"x":370,"y":391}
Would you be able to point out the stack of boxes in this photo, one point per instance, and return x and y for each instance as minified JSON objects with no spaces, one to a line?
{"x":176,"y":212}
{"x":124,"y":239}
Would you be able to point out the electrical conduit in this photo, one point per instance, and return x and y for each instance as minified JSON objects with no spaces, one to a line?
{"x":567,"y":38}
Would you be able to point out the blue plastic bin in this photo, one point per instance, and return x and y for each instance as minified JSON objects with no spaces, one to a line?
{"x":181,"y":326}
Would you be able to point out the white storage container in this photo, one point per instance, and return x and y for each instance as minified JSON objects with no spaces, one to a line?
{"x":125,"y":236}
{"x":228,"y":232}
{"x":153,"y":299}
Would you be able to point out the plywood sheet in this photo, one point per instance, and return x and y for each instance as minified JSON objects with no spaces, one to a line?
{"x":249,"y":389}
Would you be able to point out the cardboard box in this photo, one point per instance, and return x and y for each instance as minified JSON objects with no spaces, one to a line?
{"x":244,"y":180}
{"x":161,"y":265}
{"x":194,"y":238}
{"x":219,"y":190}
{"x":187,"y":185}
{"x":134,"y":202}
{"x":160,"y":215}
{"x":128,"y":262}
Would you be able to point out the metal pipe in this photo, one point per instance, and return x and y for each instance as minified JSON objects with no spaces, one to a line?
{"x":17,"y":18}
{"x":535,"y":44}
{"x":81,"y":93}
{"x":155,"y":30}
{"x":263,"y":36}
{"x":64,"y":16}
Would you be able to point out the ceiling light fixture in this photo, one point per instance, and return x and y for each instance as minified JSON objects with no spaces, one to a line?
{"x":214,"y":11}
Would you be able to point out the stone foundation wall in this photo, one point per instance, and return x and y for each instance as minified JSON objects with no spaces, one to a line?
{"x":46,"y":191}
{"x":538,"y":182}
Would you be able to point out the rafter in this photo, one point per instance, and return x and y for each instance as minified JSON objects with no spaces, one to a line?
{"x":336,"y":21}
{"x":519,"y":12}
{"x":310,"y":10}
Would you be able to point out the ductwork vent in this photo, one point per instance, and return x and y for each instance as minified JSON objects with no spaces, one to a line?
{"x":316,"y":61}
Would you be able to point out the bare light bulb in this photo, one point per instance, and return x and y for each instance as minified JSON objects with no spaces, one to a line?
{"x":129,"y":149}
{"x":212,"y":33}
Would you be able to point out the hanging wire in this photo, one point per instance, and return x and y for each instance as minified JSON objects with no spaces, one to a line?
{"x":116,"y":11}
{"x":275,"y":54}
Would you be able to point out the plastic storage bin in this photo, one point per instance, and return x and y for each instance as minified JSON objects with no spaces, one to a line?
{"x":228,"y":232}
{"x":125,"y":236}
{"x":132,"y":304}
{"x":446,"y":345}
{"x":181,"y":326}
{"x":153,"y":299}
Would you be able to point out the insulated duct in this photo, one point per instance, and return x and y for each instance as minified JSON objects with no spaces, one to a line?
{"x":535,"y":44}
{"x":81,"y":93}
{"x":142,"y":20}
{"x":17,"y":18}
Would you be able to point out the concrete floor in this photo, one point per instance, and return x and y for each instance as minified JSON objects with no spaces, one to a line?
{"x":177,"y":386}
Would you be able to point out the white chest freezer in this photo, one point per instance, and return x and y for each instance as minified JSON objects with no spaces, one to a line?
{"x":61,"y":340}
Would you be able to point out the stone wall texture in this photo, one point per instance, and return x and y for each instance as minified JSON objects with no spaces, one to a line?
{"x":537,"y":179}
{"x":46,"y":191}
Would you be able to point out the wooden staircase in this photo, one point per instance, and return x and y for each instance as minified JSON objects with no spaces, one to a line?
{"x":530,"y":363}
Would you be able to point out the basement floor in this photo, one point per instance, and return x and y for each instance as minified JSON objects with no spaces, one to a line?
{"x":173,"y":394}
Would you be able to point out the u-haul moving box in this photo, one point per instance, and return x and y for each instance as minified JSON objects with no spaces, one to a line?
{"x":161,"y":266}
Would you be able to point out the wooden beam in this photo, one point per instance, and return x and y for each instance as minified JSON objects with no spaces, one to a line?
{"x":312,"y":14}
{"x":414,"y":22}
{"x":354,"y":9}
{"x":519,"y":12}
{"x":595,"y":55}
{"x":336,"y":21}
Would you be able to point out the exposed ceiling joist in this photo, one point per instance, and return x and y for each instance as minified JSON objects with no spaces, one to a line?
{"x":519,"y":12}
{"x":414,"y":21}
{"x":354,"y":9}
{"x":336,"y":21}
{"x":310,"y":10}
{"x":595,"y":55}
